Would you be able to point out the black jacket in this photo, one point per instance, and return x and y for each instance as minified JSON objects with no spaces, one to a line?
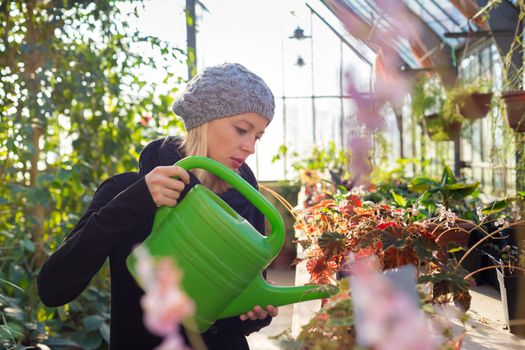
{"x":119,"y":217}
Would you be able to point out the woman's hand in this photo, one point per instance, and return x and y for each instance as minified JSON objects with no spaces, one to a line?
{"x":259,"y":314}
{"x":163,"y":188}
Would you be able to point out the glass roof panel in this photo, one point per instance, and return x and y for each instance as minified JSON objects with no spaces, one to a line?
{"x":367,"y":11}
{"x":441,"y":16}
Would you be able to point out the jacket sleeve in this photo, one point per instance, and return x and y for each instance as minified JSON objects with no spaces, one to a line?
{"x":117,"y":207}
{"x":246,"y":327}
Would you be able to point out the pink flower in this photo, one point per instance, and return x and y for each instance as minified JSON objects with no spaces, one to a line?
{"x":359,"y":161}
{"x":165,"y":305}
{"x":386,"y":318}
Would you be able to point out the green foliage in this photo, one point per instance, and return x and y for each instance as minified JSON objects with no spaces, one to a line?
{"x":75,"y":109}
{"x":330,"y":162}
{"x":448,"y":191}
{"x":426,"y":96}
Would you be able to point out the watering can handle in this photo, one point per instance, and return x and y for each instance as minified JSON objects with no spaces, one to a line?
{"x":276,"y":238}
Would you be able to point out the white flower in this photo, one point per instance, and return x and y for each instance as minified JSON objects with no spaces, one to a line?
{"x":481,"y":216}
{"x":501,"y":222}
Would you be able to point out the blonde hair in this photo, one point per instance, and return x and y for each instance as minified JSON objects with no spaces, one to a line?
{"x":195,"y":143}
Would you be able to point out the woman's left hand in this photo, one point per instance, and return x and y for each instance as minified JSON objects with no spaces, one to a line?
{"x":258,"y":313}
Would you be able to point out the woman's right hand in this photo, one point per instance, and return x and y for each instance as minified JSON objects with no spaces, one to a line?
{"x":164,"y":189}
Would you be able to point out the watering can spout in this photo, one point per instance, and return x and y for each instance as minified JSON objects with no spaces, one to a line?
{"x":259,"y":292}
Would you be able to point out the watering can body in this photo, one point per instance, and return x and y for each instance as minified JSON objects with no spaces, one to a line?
{"x":221,"y":255}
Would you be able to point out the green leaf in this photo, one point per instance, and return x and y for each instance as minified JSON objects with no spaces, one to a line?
{"x":28,"y":245}
{"x":495,"y":206}
{"x":63,"y":176}
{"x":12,"y":330}
{"x":422,"y":183}
{"x":104,"y":331}
{"x":455,"y":250}
{"x":448,"y":176}
{"x":59,"y":343}
{"x":400,"y":200}
{"x":38,"y":196}
{"x":12,"y":285}
{"x":89,"y":341}
{"x":3,"y":200}
{"x":16,"y":274}
{"x":462,"y":189}
{"x":92,"y":322}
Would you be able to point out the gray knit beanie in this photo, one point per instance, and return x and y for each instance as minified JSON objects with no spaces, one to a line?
{"x":222,"y":91}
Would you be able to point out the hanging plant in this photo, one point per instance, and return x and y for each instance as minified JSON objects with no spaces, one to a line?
{"x":470,"y":101}
{"x":438,"y":128}
{"x":515,"y":109}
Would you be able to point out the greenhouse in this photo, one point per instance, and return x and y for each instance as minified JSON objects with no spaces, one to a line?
{"x":320,"y":174}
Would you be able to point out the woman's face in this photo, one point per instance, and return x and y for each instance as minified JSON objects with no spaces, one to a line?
{"x":232,"y":139}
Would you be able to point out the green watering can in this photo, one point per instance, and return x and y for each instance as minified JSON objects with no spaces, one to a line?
{"x":221,"y":254}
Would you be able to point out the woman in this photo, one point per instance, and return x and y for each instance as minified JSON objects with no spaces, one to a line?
{"x":225,"y":110}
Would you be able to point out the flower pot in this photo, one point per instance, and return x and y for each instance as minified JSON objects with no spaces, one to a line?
{"x":512,"y":301}
{"x":472,"y":262}
{"x":458,"y":234}
{"x":490,"y":276}
{"x":515,"y":105}
{"x":476,"y":105}
{"x":439,"y":130}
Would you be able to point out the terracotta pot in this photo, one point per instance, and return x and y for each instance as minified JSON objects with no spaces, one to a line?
{"x":515,"y":105}
{"x":458,"y":233}
{"x":476,"y":105}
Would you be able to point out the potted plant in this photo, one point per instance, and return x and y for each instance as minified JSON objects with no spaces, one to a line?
{"x":513,"y":96}
{"x":441,"y":128}
{"x":447,"y":195}
{"x":515,"y":109}
{"x":427,"y":109}
{"x":470,"y":101}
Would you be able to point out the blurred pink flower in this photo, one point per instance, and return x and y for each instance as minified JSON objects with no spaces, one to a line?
{"x":359,"y":160}
{"x":388,"y":319}
{"x":164,"y":303}
{"x":395,"y":24}
{"x":402,"y":22}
